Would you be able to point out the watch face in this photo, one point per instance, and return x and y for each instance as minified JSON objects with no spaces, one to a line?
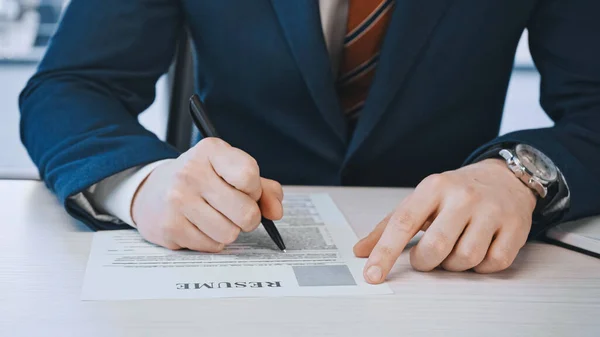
{"x":536,"y":162}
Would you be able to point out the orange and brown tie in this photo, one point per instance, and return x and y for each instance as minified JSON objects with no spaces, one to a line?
{"x":367,"y":23}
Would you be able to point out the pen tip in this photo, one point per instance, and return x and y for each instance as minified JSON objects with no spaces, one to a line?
{"x":285,"y":251}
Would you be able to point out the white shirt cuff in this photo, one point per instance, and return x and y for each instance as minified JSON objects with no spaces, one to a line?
{"x":111,"y":199}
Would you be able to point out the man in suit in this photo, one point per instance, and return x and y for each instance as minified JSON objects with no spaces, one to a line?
{"x":329,"y":92}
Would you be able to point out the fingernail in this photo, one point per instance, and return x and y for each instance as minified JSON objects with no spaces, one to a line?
{"x":374,"y":274}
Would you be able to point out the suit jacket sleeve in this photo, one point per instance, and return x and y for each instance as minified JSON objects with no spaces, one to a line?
{"x":79,"y":111}
{"x":564,"y":42}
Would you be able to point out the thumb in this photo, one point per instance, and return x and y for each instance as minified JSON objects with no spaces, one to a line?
{"x":270,"y":202}
{"x":364,"y":247}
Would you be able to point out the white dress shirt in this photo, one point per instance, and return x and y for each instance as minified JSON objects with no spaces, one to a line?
{"x":111,"y":199}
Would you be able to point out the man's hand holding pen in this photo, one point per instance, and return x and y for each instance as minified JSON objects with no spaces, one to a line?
{"x":205,"y":198}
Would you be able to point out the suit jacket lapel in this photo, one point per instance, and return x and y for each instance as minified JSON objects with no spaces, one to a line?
{"x":412,"y":23}
{"x":301,"y":24}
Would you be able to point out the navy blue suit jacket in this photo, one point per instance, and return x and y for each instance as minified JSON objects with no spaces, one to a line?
{"x":264,"y":74}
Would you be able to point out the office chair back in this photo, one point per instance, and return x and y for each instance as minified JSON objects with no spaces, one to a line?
{"x":180,"y":128}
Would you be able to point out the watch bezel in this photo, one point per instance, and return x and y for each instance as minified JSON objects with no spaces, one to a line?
{"x":543,"y":181}
{"x":539,"y":186}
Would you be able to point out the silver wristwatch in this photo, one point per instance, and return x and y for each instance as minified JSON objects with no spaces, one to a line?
{"x":533,"y":167}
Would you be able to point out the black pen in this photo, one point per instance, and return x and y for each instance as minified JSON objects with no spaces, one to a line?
{"x":207,"y":129}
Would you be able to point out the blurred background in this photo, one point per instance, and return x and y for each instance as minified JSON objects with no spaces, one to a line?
{"x":27,"y":25}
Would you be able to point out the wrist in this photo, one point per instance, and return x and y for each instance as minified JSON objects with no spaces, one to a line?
{"x":136,"y":198}
{"x":142,"y":179}
{"x":501,"y":169}
{"x":549,"y":209}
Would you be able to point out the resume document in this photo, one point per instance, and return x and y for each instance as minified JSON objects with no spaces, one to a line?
{"x":318,"y":262}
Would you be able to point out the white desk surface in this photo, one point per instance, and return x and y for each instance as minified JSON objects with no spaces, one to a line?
{"x":549,"y":291}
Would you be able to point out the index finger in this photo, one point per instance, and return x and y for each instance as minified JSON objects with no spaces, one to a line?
{"x":406,"y":221}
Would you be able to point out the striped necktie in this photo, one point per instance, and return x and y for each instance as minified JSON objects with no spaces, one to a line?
{"x":367,"y":23}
